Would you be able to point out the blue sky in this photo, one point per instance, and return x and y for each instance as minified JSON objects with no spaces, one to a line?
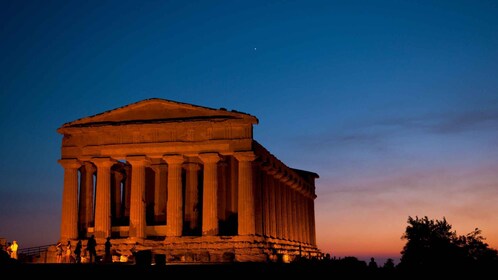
{"x":393,"y":103}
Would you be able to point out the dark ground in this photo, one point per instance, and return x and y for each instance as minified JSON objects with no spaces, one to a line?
{"x":216,"y":271}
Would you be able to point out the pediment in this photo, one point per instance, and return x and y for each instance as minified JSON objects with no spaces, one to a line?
{"x":158,"y":110}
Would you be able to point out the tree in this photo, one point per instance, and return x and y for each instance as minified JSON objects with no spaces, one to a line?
{"x":433,"y":244}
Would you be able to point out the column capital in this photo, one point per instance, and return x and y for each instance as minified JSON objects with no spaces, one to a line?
{"x":103,"y":161}
{"x":173,"y":159}
{"x":89,"y":167}
{"x":138,"y":160}
{"x":245,"y":156}
{"x":210,"y":157}
{"x":285,"y":179}
{"x":192,"y":166}
{"x":159,"y":167}
{"x":69,"y":163}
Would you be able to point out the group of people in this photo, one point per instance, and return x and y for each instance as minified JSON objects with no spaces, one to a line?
{"x":65,"y":254}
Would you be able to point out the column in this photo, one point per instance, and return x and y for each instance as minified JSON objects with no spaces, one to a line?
{"x":174,"y":212}
{"x":192,"y":196}
{"x":246,"y":218}
{"x":137,"y":203}
{"x":295,"y":229}
{"x":222,"y":190}
{"x":116,"y":194}
{"x":273,"y":215}
{"x":102,"y":227}
{"x":313,"y":229}
{"x":299,"y":207}
{"x":210,"y":194}
{"x":160,"y":191}
{"x":278,"y":208}
{"x":284,"y":210}
{"x":86,"y":197}
{"x":127,"y":191}
{"x":288,"y":215}
{"x":69,"y":224}
{"x":234,"y":198}
{"x":266,"y":205}
{"x":307,"y":215}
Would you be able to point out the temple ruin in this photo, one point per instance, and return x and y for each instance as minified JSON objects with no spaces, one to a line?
{"x":185,"y":181}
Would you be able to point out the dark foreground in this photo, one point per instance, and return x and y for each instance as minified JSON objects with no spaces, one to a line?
{"x":218,"y":271}
{"x":228,"y":271}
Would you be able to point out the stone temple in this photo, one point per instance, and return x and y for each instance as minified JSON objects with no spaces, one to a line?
{"x":184,"y":181}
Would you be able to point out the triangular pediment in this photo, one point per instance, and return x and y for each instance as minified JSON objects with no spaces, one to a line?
{"x":158,"y":110}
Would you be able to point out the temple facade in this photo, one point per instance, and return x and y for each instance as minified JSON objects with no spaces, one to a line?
{"x":186,"y":181}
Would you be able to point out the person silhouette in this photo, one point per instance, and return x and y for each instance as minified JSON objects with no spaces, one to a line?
{"x":69,"y":252}
{"x":13,"y":249}
{"x":108,"y":245}
{"x":58,"y":248}
{"x":77,"y":252}
{"x":91,"y":248}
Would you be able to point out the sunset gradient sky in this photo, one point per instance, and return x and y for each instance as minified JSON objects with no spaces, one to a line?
{"x":393,"y":103}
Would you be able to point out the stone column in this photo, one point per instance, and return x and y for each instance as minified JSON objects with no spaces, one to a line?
{"x":86,"y":198}
{"x":222,"y":190}
{"x":137,"y":203}
{"x":69,"y":223}
{"x":295,"y":226}
{"x":160,"y":191}
{"x":272,"y":196}
{"x":300,"y":216}
{"x":266,"y":205}
{"x":278,"y":207}
{"x":288,"y":215}
{"x":116,"y":194}
{"x":234,"y":198}
{"x":102,"y":227}
{"x":192,"y":196}
{"x":283,"y":216}
{"x":312,"y":216}
{"x":246,"y":218}
{"x":307,"y":215}
{"x":210,"y":194}
{"x":174,"y":212}
{"x":127,"y":190}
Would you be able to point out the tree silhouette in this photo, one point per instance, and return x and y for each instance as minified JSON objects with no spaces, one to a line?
{"x":433,"y":244}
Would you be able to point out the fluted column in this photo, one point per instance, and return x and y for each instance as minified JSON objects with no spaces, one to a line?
{"x":86,"y":198}
{"x":285,"y":222}
{"x":288,"y":214}
{"x":192,"y":196}
{"x":160,"y":191}
{"x":137,"y":203}
{"x":299,"y":207}
{"x":266,"y":205}
{"x":102,"y":227}
{"x":307,"y":215}
{"x":312,"y":216}
{"x":295,"y":224}
{"x":278,"y":208}
{"x":116,"y":194}
{"x":127,"y":191}
{"x":174,"y":212}
{"x":210,"y":194}
{"x":272,"y":197}
{"x":69,"y":223}
{"x":246,"y":218}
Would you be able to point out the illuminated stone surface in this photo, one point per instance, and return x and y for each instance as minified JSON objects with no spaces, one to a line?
{"x":185,"y":181}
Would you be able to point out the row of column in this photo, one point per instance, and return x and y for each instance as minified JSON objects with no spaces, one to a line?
{"x":174,"y":195}
{"x":288,"y":212}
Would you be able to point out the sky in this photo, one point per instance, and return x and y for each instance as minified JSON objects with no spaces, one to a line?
{"x":393,"y":103}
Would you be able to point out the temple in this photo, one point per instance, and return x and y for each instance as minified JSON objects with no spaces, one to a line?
{"x":185,"y":181}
